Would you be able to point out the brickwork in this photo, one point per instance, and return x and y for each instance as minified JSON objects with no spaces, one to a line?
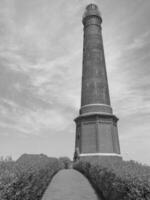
{"x":94,"y":78}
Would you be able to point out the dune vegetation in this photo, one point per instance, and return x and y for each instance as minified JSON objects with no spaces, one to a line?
{"x":28,"y":177}
{"x":117,"y":180}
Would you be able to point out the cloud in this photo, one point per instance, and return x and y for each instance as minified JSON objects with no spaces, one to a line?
{"x":36,"y":83}
{"x":32,"y":122}
{"x":139,"y":41}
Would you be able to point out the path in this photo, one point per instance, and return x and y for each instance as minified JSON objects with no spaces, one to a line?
{"x":69,"y":185}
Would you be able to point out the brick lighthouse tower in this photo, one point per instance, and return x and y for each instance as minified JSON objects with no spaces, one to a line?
{"x":96,"y":126}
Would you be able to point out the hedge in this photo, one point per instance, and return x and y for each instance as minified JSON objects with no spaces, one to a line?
{"x":28,"y":178}
{"x":117,"y":180}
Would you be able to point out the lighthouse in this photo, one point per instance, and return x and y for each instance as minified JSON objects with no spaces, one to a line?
{"x":96,"y":125}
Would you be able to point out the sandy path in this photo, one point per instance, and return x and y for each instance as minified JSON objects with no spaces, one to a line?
{"x":69,"y":185}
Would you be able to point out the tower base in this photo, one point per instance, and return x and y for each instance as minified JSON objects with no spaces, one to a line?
{"x":100,"y":159}
{"x":97,"y":136}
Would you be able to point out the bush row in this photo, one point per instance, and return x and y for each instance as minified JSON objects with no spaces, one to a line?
{"x":117,"y":180}
{"x":28,"y":177}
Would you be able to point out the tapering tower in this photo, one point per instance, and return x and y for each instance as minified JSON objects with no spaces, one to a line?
{"x":96,"y":126}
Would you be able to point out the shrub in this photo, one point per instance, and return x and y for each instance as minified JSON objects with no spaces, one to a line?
{"x":66,"y":162}
{"x":28,"y":178}
{"x":117,"y":180}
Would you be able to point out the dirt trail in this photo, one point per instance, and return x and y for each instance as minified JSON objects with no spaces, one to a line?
{"x":70,"y":185}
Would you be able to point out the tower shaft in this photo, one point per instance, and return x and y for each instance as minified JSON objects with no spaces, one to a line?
{"x":94,"y":77}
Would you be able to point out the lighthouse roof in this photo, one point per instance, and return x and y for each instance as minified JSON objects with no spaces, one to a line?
{"x":92,"y":10}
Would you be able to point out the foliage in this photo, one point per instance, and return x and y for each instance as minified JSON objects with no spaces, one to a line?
{"x":28,"y":177}
{"x":66,"y":162}
{"x":117,"y":180}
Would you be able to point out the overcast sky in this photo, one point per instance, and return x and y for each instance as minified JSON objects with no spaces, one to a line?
{"x":40,"y":74}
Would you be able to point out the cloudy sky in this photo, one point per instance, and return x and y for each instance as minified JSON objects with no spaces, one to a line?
{"x":40,"y":74}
